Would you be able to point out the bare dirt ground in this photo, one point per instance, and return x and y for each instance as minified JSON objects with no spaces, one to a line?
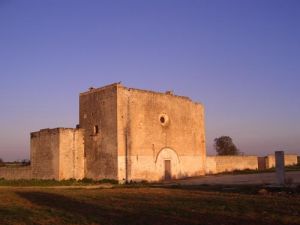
{"x":241,"y":179}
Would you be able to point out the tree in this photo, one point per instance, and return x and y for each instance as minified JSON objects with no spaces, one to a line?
{"x":25,"y":162}
{"x":225,"y":146}
{"x":1,"y":162}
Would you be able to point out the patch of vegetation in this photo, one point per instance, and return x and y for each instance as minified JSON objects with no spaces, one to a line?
{"x":242,"y":189}
{"x":17,"y":164}
{"x":42,"y":183}
{"x":293,"y":168}
{"x":224,"y":146}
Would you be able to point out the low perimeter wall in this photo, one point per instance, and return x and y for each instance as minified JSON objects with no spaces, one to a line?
{"x":219,"y":164}
{"x":289,"y":160}
{"x":15,"y":173}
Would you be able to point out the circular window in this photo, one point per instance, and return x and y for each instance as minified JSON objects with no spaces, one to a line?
{"x":164,"y":119}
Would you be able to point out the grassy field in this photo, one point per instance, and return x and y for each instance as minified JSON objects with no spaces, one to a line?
{"x":144,"y":205}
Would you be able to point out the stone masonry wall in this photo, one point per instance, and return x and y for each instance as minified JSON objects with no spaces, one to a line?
{"x":45,"y":154}
{"x":98,"y":117}
{"x":211,"y":167}
{"x":71,"y":154}
{"x":10,"y":173}
{"x":219,"y":164}
{"x":289,"y":160}
{"x":146,"y":141}
{"x":57,"y":154}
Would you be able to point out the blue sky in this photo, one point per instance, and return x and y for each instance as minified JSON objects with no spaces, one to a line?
{"x":241,"y":59}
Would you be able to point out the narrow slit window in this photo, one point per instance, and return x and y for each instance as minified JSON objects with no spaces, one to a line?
{"x":96,"y":129}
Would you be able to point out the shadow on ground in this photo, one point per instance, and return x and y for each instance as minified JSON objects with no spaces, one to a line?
{"x":8,"y":215}
{"x":73,"y":210}
{"x":131,"y":208}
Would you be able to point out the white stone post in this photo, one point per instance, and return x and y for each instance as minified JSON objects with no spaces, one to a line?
{"x":280,"y":169}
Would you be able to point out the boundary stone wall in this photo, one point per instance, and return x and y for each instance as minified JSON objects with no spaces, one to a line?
{"x":219,"y":164}
{"x":289,"y":160}
{"x":16,"y":173}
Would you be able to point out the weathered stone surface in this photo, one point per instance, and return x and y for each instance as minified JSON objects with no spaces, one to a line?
{"x":57,"y":154}
{"x":138,"y":130}
{"x":71,"y":154}
{"x":17,"y":173}
{"x":44,"y":147}
{"x":289,"y":160}
{"x":98,"y":117}
{"x":154,"y":127}
{"x":219,"y":164}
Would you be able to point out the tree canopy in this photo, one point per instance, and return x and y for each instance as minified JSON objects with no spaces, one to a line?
{"x":225,"y":146}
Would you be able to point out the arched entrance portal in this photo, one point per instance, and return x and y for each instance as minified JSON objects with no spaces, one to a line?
{"x":168,"y":164}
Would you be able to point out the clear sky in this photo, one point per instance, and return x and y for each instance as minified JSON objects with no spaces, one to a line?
{"x":240,"y":58}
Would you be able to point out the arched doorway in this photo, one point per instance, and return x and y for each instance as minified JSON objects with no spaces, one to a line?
{"x":168,"y":164}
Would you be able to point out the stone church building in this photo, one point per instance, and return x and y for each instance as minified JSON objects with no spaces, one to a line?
{"x":128,"y":134}
{"x":124,"y":134}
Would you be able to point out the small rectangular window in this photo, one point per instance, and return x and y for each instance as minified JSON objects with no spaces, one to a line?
{"x":96,"y":129}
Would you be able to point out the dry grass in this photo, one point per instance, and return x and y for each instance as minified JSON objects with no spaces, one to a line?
{"x":144,"y":206}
